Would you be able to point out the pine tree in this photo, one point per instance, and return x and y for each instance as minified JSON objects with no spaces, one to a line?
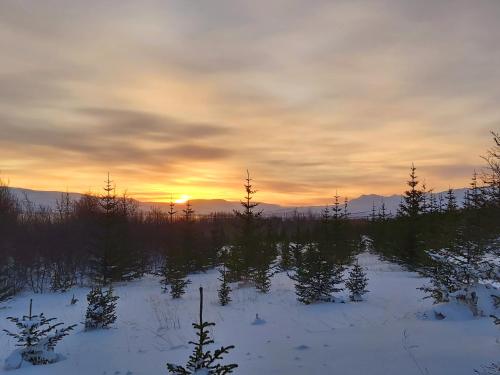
{"x":171,"y":210}
{"x":104,"y":262}
{"x":373,"y":215}
{"x":491,"y":177}
{"x":325,"y":214}
{"x":442,"y":282}
{"x":173,"y":275}
{"x":441,"y":205}
{"x":433,"y":204}
{"x":245,"y":254}
{"x":317,"y":277}
{"x":101,"y":311}
{"x":178,"y":282}
{"x":38,"y":337}
{"x":345,"y":214}
{"x":451,"y":201}
{"x":413,"y":198}
{"x":357,"y":283}
{"x":336,"y":208}
{"x":474,"y":194}
{"x":382,"y":215}
{"x":224,"y":289}
{"x":262,"y":278}
{"x":188,"y":212}
{"x":286,"y":256}
{"x":202,"y":361}
{"x":458,"y":269}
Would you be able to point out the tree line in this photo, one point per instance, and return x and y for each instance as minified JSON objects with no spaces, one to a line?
{"x":103,"y":238}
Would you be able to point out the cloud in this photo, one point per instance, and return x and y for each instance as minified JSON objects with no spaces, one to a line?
{"x":331,"y":94}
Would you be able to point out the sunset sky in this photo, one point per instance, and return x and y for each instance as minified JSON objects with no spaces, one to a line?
{"x":183,"y":96}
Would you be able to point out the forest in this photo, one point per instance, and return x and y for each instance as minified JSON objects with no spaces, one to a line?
{"x":105,"y":238}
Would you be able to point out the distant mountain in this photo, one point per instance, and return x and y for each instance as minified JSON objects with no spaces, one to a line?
{"x":358,"y":207}
{"x":41,"y":198}
{"x":208,"y":206}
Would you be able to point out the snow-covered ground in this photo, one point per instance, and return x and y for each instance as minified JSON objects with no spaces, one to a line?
{"x":392,"y":332}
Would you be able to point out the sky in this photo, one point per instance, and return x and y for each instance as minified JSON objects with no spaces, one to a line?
{"x":182,"y":97}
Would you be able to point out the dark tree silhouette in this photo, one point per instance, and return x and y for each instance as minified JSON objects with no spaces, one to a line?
{"x":202,"y":361}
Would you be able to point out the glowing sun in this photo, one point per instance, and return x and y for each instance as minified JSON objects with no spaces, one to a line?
{"x":183,"y":198}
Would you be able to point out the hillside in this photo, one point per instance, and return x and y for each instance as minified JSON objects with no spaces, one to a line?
{"x":361,"y":206}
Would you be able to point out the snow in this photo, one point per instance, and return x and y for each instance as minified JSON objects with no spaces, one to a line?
{"x":394,"y":331}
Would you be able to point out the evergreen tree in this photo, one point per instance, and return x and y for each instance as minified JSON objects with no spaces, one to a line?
{"x":442,"y":282}
{"x":441,"y":205}
{"x":246,"y":254}
{"x":178,"y":282}
{"x":459,"y":268}
{"x":433,"y":204}
{"x":101,"y":310}
{"x":262,"y":278}
{"x":286,"y":256}
{"x":224,"y":289}
{"x":410,"y":237}
{"x":451,"y":201}
{"x":188,"y":212}
{"x":373,"y":215}
{"x":382,"y":215}
{"x":336,"y":208}
{"x":171,"y":210}
{"x":317,"y":276}
{"x":174,"y":276}
{"x":491,"y":177}
{"x":202,"y":361}
{"x":325,"y":214}
{"x":10,"y":212}
{"x":474,"y":193}
{"x":104,"y":262}
{"x":38,"y":337}
{"x":345,"y":214}
{"x":413,"y":198}
{"x":357,"y":283}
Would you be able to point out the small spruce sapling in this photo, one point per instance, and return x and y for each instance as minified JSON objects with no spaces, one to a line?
{"x":178,"y":284}
{"x":101,"y":311}
{"x":357,"y":283}
{"x":316,"y":277}
{"x":38,"y":337}
{"x":201,"y":361}
{"x":225,"y":289}
{"x":173,"y":275}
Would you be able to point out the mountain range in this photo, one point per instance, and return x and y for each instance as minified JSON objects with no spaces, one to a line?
{"x":358,"y":207}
